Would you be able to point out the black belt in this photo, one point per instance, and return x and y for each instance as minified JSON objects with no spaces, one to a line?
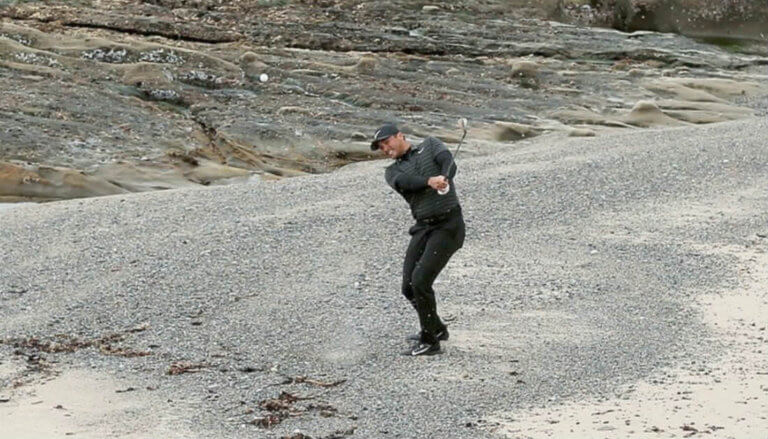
{"x":440,"y":217}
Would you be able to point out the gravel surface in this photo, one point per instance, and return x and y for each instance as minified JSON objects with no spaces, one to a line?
{"x":582,"y":260}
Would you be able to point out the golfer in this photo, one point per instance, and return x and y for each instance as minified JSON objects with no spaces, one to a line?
{"x":417,"y":174}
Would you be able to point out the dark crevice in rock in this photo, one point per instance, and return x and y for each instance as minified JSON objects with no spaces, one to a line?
{"x":130,"y":26}
{"x":133,"y":31}
{"x":442,"y":51}
{"x":211,"y":133}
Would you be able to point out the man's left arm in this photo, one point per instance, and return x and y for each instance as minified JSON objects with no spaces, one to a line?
{"x":444,"y":159}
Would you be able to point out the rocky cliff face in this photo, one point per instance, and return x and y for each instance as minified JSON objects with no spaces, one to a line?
{"x":719,"y":19}
{"x":127,"y":95}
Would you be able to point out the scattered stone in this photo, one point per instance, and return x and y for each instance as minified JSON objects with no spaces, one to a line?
{"x":107,"y":55}
{"x":147,"y":74}
{"x":248,"y":58}
{"x":268,"y":421}
{"x":510,"y":131}
{"x":167,"y":95}
{"x":181,"y":367}
{"x":162,"y":56}
{"x":366,"y":65}
{"x":313,"y":382}
{"x":525,"y":69}
{"x":202,"y":79}
{"x":254,"y":69}
{"x":293,"y":109}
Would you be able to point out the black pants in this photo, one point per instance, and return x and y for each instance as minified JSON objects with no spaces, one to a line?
{"x":432,"y":245}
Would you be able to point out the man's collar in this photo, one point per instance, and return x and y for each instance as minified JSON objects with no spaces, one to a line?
{"x":407,"y":153}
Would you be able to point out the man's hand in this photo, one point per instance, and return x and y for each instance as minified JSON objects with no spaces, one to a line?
{"x":437,"y":182}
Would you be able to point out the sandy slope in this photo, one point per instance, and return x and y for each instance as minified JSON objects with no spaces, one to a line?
{"x":591,"y":281}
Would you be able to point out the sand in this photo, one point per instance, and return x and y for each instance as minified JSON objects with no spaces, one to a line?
{"x":82,"y":404}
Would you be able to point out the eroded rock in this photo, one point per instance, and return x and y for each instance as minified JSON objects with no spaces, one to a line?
{"x":648,"y":114}
{"x":702,"y":18}
{"x":304,"y":82}
{"x":49,"y":183}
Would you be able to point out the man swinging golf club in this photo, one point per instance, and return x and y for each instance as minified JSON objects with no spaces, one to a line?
{"x":417,"y":174}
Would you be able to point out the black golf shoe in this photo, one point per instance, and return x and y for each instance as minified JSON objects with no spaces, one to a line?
{"x":442,"y":335}
{"x":423,"y":349}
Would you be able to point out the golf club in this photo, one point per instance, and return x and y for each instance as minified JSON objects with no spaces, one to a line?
{"x":463,"y":125}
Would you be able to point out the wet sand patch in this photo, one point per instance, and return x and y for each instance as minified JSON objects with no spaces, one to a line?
{"x":725,"y":399}
{"x":84,"y":404}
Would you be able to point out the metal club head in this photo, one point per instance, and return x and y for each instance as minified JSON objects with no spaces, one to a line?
{"x":463,"y":124}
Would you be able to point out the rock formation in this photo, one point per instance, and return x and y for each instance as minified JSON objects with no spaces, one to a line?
{"x":717,"y":19}
{"x":147,"y":95}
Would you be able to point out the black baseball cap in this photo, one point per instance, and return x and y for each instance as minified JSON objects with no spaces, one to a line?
{"x":386,"y":131}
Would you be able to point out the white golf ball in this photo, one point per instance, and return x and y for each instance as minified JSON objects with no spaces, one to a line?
{"x":263,"y":77}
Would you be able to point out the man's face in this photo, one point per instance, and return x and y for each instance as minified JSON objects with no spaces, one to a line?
{"x":394,"y":146}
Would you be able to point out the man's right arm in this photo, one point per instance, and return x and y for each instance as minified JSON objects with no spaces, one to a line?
{"x":404,"y":183}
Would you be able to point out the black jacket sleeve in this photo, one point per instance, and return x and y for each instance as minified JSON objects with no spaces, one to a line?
{"x":442,"y":156}
{"x":403,"y":183}
{"x":444,"y":159}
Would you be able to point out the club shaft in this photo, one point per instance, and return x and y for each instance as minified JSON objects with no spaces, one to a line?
{"x":456,"y":153}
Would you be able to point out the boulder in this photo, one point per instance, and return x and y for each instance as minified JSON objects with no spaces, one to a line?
{"x":510,"y":131}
